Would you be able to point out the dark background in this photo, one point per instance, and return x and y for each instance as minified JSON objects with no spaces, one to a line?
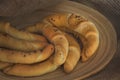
{"x":109,"y":8}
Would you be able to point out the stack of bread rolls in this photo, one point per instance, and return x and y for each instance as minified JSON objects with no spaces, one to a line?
{"x":45,"y":46}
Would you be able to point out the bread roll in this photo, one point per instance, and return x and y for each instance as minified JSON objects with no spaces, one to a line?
{"x":13,"y":56}
{"x":28,"y":70}
{"x":11,"y":43}
{"x":56,"y":37}
{"x":6,"y":28}
{"x":74,"y":54}
{"x":79,"y":26}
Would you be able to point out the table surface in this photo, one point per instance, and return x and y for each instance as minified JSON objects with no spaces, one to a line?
{"x":111,"y":10}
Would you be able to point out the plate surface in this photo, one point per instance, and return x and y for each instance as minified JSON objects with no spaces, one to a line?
{"x":103,"y":55}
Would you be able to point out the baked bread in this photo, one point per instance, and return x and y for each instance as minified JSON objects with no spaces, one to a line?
{"x":80,"y":27}
{"x":9,"y":42}
{"x":6,"y":28}
{"x":67,"y":50}
{"x":56,"y":37}
{"x":4,"y":65}
{"x":28,"y":70}
{"x":13,"y":56}
{"x":74,"y":54}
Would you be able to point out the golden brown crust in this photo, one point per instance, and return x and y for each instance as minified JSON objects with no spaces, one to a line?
{"x":11,"y":43}
{"x":74,"y":20}
{"x":78,"y":26}
{"x":13,"y":56}
{"x":73,"y":54}
{"x":4,"y":65}
{"x":58,"y":19}
{"x":75,"y":24}
{"x":56,"y":37}
{"x":90,"y":32}
{"x":5,"y":27}
{"x":26,"y":70}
